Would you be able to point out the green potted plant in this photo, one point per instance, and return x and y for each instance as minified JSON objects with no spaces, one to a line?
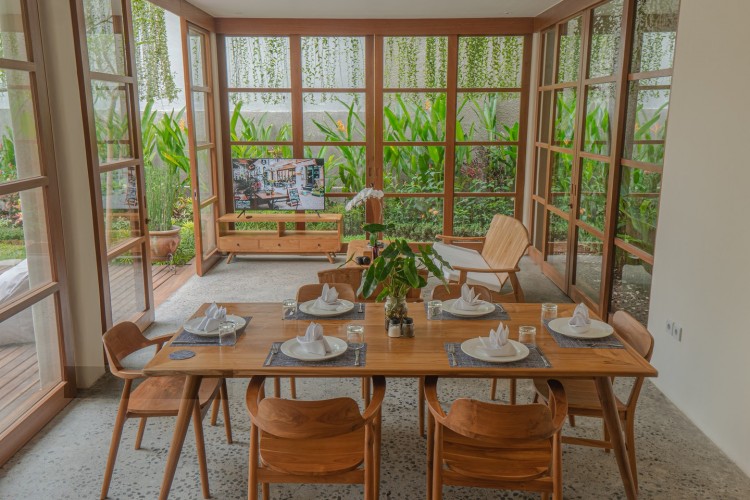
{"x":398,"y":269}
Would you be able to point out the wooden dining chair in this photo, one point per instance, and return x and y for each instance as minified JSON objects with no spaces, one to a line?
{"x":490,"y":445}
{"x":155,"y":396}
{"x":353,"y":277}
{"x":453,"y":291}
{"x":583,"y":398}
{"x":326,"y":441}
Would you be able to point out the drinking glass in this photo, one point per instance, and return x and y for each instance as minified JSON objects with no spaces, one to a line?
{"x":434,"y":309}
{"x":549,"y":312}
{"x":288,"y":308}
{"x":227,"y":333}
{"x":527,"y":334}
{"x":355,"y":336}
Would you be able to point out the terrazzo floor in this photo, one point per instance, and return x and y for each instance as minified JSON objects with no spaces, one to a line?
{"x":66,"y":460}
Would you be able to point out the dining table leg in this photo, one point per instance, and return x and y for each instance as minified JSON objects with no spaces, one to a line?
{"x":612,"y":419}
{"x":189,"y":398}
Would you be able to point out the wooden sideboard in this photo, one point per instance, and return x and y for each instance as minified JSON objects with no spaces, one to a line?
{"x":282,"y":240}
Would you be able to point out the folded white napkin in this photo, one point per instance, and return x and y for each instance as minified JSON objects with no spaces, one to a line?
{"x":497,"y":343}
{"x":328,"y":300}
{"x":213,"y":316}
{"x":313,"y":340}
{"x":468,"y":301}
{"x":580,"y":317}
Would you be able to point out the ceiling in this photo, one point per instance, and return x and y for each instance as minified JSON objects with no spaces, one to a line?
{"x":374,"y":9}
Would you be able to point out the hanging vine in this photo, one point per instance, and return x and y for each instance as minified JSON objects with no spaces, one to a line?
{"x":155,"y":78}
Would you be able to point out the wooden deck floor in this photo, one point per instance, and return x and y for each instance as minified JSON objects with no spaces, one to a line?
{"x":19,"y":368}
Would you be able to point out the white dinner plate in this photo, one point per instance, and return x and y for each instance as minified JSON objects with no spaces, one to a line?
{"x":293,"y":349}
{"x":599,"y":329}
{"x":192,"y":325}
{"x":484,"y":309}
{"x":475,"y":349}
{"x":343,"y":306}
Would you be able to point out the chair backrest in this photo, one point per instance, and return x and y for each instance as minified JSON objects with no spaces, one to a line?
{"x":353,"y":277}
{"x":499,"y":423}
{"x":120,"y":341}
{"x":313,"y":291}
{"x":634,"y":333}
{"x":440,"y":292}
{"x":506,"y":241}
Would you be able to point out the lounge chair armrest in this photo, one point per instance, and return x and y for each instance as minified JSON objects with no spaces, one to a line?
{"x":486,"y":270}
{"x":128,"y":374}
{"x":378,"y":393}
{"x":449,"y":239}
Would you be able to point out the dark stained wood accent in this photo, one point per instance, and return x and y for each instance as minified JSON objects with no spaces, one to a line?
{"x":523,"y":127}
{"x":450,"y":133}
{"x":383,"y":27}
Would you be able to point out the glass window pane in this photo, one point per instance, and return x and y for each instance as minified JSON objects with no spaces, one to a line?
{"x":654,"y":35}
{"x":111,"y":117}
{"x":413,"y":169}
{"x":416,"y":219}
{"x":639,"y":207}
{"x":126,"y":286}
{"x":19,"y":149}
{"x":205,"y":177}
{"x":201,"y":118}
{"x":489,"y":61}
{"x":565,"y":117}
{"x":208,"y":229}
{"x":557,"y":242}
{"x":24,"y":243}
{"x":589,"y":264}
{"x":549,"y":58}
{"x":333,"y":62}
{"x":485,"y":169}
{"x":258,"y":62}
{"x":488,"y":117}
{"x":260,"y":116}
{"x":104,"y":36}
{"x":605,"y":39}
{"x":415,"y":61}
{"x":34,"y":368}
{"x":195,"y":42}
{"x":545,"y":111}
{"x":646,"y":126}
{"x":472,"y":216}
{"x":338,"y":117}
{"x":570,"y":50}
{"x":120,"y":202}
{"x":593,"y":205}
{"x":562,"y":166}
{"x":345,"y":166}
{"x":600,"y":110}
{"x":414,"y":117}
{"x":262,"y":151}
{"x":354,"y":219}
{"x":631,"y":285}
{"x":541,"y":173}
{"x":12,"y":37}
{"x":538,"y":226}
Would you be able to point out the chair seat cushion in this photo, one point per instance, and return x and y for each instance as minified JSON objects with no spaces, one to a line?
{"x":581,"y":394}
{"x":162,"y":395}
{"x":473,"y":458}
{"x":324,"y":456}
{"x":467,"y":257}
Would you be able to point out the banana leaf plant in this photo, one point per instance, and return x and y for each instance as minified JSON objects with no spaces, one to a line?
{"x":397,"y":267}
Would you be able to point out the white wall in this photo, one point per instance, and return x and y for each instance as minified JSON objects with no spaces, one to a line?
{"x":701,"y":277}
{"x":75,"y":200}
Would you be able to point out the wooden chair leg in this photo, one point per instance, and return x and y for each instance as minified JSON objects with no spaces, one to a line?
{"x":252,"y":470}
{"x":437,"y":464}
{"x":377,"y":437}
{"x":293,"y":387}
{"x":366,"y":388}
{"x":139,"y":436}
{"x":264,"y":489}
{"x":122,"y":412}
{"x":493,"y":389}
{"x":630,"y":443}
{"x":512,"y":387}
{"x":225,"y":410}
{"x":200,"y":447}
{"x":605,"y":432}
{"x":557,"y":482}
{"x":420,"y":410}
{"x":572,"y":420}
{"x":276,"y":387}
{"x":430,"y":454}
{"x":215,"y":409}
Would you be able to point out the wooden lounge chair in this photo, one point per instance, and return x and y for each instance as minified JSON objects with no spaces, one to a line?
{"x":495,"y":264}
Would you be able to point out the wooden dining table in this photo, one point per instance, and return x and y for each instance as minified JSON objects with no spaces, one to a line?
{"x":420,"y":356}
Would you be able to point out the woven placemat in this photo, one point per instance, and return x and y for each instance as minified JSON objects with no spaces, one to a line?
{"x":499,"y":313}
{"x":608,"y":342}
{"x":535,"y":359}
{"x":185,"y":338}
{"x":353,"y":314}
{"x":346,"y":359}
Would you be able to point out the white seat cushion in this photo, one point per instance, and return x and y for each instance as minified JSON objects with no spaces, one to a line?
{"x":466,"y":257}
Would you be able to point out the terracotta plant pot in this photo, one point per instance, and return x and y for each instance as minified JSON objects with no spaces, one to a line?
{"x":164,"y":243}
